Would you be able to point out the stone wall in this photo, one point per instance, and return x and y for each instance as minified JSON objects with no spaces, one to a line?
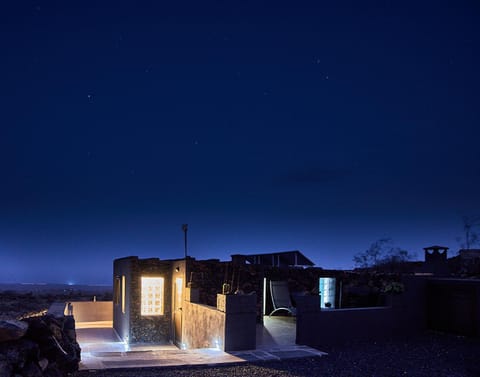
{"x":132,"y":326}
{"x":38,"y":346}
{"x":210,"y":275}
{"x":150,"y":329}
{"x":358,"y":289}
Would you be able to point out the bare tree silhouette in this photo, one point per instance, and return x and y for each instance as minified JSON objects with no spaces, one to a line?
{"x":471,"y":235}
{"x":382,"y":252}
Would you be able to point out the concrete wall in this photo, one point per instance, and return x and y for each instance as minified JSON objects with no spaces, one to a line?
{"x":337,"y":326}
{"x":405,"y":315}
{"x":121,"y":321}
{"x":231,"y":326}
{"x":91,"y":311}
{"x":453,"y":305}
{"x":240,"y":321}
{"x":203,"y":327}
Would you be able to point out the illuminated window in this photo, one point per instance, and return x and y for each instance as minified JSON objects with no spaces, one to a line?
{"x":152,"y":296}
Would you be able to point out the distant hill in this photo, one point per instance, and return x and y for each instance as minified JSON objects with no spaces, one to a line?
{"x":55,"y":288}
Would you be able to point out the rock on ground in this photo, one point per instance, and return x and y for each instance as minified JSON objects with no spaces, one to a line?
{"x":12,"y":330}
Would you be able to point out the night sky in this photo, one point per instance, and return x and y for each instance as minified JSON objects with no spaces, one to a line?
{"x":318,"y":126}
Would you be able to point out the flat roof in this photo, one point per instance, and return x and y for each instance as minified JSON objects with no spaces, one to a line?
{"x":281,"y":258}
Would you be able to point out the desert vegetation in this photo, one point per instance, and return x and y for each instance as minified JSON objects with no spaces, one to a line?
{"x":19,"y":302}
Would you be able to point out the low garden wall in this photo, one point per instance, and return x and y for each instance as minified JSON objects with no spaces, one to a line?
{"x":203,"y":327}
{"x":404,"y":315}
{"x":90,"y":311}
{"x":230,"y":326}
{"x":240,"y":321}
{"x":336,"y":326}
{"x":453,"y":306}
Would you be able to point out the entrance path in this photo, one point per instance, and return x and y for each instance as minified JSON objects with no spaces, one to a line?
{"x":102,"y":349}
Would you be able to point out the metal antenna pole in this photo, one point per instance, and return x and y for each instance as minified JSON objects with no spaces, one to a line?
{"x":185,"y":229}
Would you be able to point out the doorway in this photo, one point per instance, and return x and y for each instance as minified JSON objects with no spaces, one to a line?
{"x":177,"y":311}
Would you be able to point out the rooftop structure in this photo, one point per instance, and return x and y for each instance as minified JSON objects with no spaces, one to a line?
{"x":279,"y":259}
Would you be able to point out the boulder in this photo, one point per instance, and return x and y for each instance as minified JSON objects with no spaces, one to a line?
{"x":53,"y":371}
{"x":18,"y":351}
{"x":48,"y":348}
{"x":5,"y":367}
{"x":43,"y":364}
{"x":58,"y":347}
{"x":31,"y":369}
{"x":12,"y":330}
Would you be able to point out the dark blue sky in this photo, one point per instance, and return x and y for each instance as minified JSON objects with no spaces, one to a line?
{"x":319,"y":126}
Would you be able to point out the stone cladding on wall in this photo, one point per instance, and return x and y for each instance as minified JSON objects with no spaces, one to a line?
{"x":150,"y":329}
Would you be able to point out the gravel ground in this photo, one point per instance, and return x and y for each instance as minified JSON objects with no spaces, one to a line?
{"x":431,"y":354}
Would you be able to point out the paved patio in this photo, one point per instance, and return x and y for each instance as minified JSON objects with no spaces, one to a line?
{"x":102,"y":349}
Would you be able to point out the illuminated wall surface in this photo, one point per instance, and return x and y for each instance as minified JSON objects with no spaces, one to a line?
{"x":178,"y":293}
{"x":152,"y":296}
{"x":123,"y":294}
{"x":327,"y":292}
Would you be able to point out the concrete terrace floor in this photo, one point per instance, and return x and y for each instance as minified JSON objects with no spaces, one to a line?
{"x":102,"y":349}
